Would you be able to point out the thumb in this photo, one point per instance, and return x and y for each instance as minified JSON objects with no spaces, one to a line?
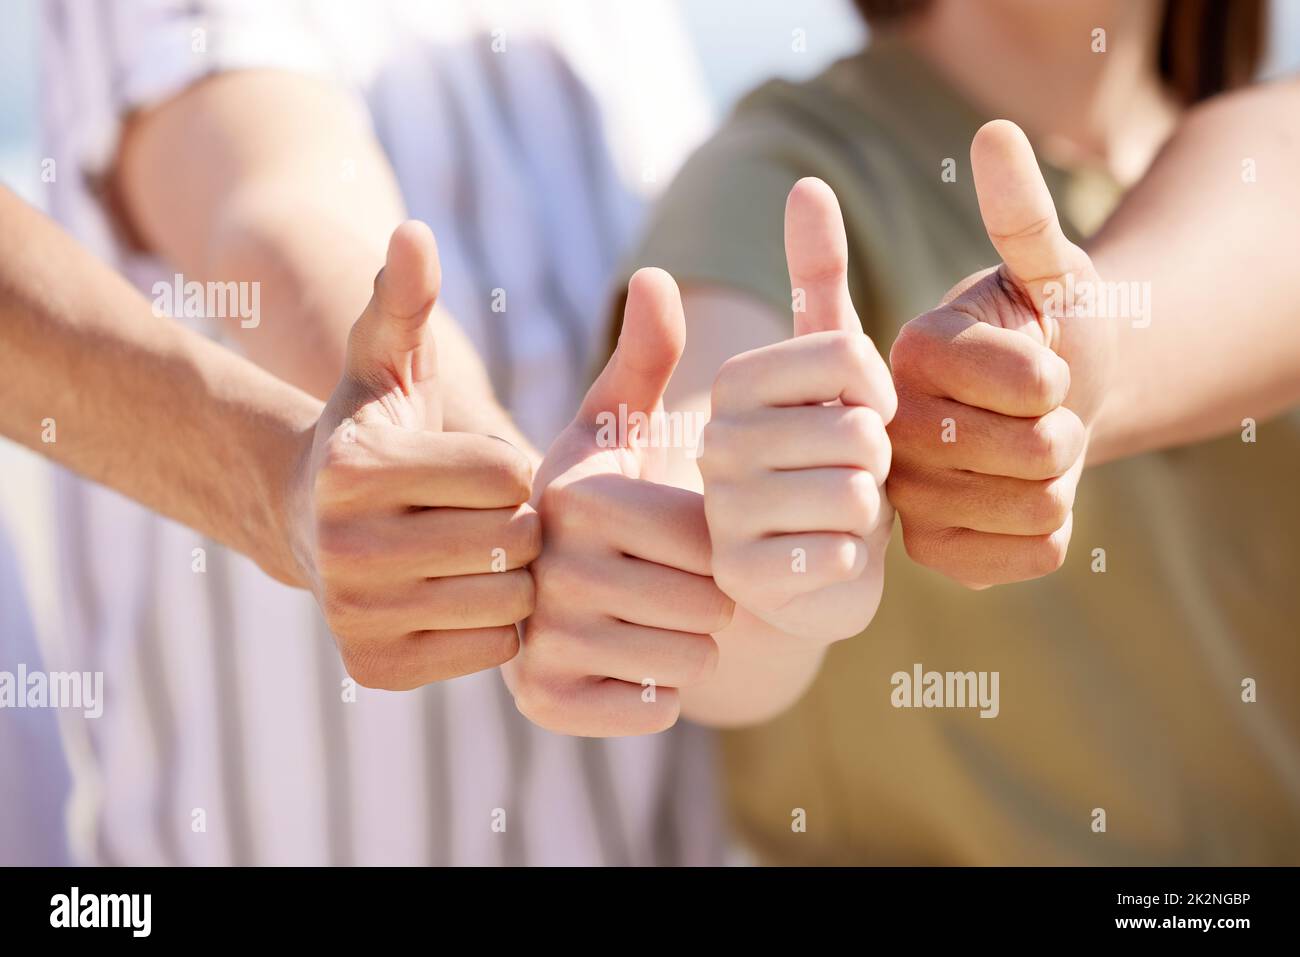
{"x":392,"y":344}
{"x":1018,"y":212}
{"x":649,"y":345}
{"x":817,"y":254}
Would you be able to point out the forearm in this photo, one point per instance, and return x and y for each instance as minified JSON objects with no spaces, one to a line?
{"x":760,"y":673}
{"x":1218,"y":250}
{"x":316,"y":269}
{"x":95,"y":381}
{"x":298,"y":198}
{"x":761,"y":670}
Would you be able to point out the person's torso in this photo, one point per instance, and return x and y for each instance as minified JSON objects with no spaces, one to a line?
{"x":1154,"y":677}
{"x":229,"y":733}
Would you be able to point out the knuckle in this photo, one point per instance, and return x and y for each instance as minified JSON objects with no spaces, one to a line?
{"x":555,"y":578}
{"x":340,"y":612}
{"x":731,"y":575}
{"x":730,"y":377}
{"x":341,"y":464}
{"x":909,"y":351}
{"x":917,"y":545}
{"x":368,"y":668}
{"x":704,"y":663}
{"x":718,"y":450}
{"x":1049,"y":447}
{"x":556,"y":506}
{"x":539,"y":700}
{"x":527,"y":525}
{"x":564,"y":505}
{"x":1049,"y":555}
{"x":718,"y":612}
{"x":852,"y":351}
{"x":924,"y":546}
{"x":864,"y":432}
{"x":1049,"y":506}
{"x":906,"y":493}
{"x":509,"y":470}
{"x":840,"y":559}
{"x":502,"y":646}
{"x":863,"y":495}
{"x":1038,"y":380}
{"x":520,"y":596}
{"x":653,"y":718}
{"x":542,"y":642}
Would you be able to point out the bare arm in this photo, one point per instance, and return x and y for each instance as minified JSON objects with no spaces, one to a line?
{"x":631,"y":628}
{"x":791,"y":469}
{"x":96,"y":382}
{"x":1212,"y":228}
{"x":1052,"y":382}
{"x":760,"y":670}
{"x":344,"y":499}
{"x":298,"y":196}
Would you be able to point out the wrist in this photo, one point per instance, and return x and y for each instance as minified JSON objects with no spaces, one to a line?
{"x":284,"y":502}
{"x":751,"y":635}
{"x":1102,"y":436}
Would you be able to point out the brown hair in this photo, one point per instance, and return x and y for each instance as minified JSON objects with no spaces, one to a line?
{"x":1206,"y":46}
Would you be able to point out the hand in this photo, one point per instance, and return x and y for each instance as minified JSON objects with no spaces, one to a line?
{"x":626,"y":608}
{"x":998,"y":388}
{"x":796,"y":449}
{"x":415,"y":541}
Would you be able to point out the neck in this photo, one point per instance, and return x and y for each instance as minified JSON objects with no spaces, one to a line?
{"x":1039,"y":69}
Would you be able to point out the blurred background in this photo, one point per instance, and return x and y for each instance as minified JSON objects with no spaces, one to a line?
{"x":739,"y":43}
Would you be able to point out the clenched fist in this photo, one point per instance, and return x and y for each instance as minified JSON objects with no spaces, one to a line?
{"x":997,"y":388}
{"x":415,"y":541}
{"x":626,"y":605}
{"x":796,"y":449}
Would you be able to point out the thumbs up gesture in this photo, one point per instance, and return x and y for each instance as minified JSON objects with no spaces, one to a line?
{"x":415,"y":541}
{"x":796,"y":450}
{"x":998,"y":388}
{"x":626,"y":605}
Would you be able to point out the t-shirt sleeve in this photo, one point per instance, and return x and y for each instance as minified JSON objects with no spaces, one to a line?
{"x":721,"y":221}
{"x":106,"y":60}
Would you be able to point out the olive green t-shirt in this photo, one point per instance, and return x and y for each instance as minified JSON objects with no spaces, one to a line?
{"x":1122,"y":734}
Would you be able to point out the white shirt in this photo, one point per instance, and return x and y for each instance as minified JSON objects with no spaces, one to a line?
{"x":523,"y":134}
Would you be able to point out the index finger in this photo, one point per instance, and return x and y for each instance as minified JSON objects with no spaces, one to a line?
{"x":950,"y":354}
{"x":816,"y":368}
{"x":389,"y":467}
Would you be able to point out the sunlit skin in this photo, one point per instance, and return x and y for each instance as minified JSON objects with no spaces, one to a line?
{"x":415,"y":540}
{"x":997,"y":390}
{"x":638,"y":580}
{"x":626,"y":602}
{"x":346,"y":498}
